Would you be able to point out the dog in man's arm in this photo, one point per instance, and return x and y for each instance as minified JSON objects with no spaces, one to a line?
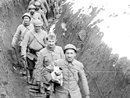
{"x":56,"y":74}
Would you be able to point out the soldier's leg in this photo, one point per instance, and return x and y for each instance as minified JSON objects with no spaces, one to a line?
{"x":31,"y":65}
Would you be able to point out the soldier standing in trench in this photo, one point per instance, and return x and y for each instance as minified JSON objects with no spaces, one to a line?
{"x":47,"y":56}
{"x":42,"y":13}
{"x":43,"y":3}
{"x":33,"y":42}
{"x":20,"y":34}
{"x":34,"y":15}
{"x":73,"y":73}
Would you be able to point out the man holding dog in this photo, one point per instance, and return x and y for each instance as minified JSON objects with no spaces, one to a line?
{"x":45,"y":58}
{"x":73,"y":73}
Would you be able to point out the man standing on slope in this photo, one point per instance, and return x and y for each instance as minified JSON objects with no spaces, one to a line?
{"x":20,"y":34}
{"x":44,"y":5}
{"x":73,"y":73}
{"x":47,"y":56}
{"x":34,"y":15}
{"x":42,"y":13}
{"x":33,"y":42}
{"x":22,"y":29}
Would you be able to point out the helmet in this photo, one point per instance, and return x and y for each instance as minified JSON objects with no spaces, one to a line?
{"x":26,"y":14}
{"x":37,"y":3}
{"x":70,"y":46}
{"x":37,"y":22}
{"x":31,"y":7}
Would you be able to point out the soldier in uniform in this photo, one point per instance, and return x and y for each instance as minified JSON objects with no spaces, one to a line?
{"x":22,"y":29}
{"x":20,"y":34}
{"x":44,"y":5}
{"x":33,"y":42}
{"x":34,"y":15}
{"x":73,"y":73}
{"x":47,"y":56}
{"x":42,"y":13}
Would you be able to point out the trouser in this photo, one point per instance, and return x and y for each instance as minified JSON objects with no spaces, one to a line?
{"x":31,"y":63}
{"x":30,"y":67}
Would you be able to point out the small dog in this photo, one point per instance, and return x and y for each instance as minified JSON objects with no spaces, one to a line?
{"x":57,"y":75}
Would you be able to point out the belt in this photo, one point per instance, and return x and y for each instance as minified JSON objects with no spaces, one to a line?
{"x":33,"y":51}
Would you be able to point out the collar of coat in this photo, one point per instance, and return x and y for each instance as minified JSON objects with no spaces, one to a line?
{"x":72,"y":63}
{"x":51,"y":49}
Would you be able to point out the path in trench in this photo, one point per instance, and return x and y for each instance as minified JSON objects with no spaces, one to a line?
{"x":26,"y":86}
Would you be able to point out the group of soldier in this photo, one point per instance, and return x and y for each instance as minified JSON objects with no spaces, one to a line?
{"x":40,"y":54}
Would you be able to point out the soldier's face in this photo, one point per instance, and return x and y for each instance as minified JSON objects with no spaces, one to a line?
{"x":51,"y":43}
{"x":26,"y":20}
{"x":37,"y":28}
{"x":37,"y":8}
{"x":32,"y":11}
{"x":70,"y":55}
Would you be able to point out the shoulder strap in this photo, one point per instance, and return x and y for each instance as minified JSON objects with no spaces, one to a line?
{"x":23,"y":33}
{"x":26,"y":28}
{"x":37,"y":40}
{"x":31,"y":41}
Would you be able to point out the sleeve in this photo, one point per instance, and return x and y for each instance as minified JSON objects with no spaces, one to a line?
{"x":38,"y":67}
{"x":62,"y":53}
{"x":41,"y":71}
{"x":24,"y":44}
{"x":16,"y":36}
{"x":44,"y":39}
{"x":39,"y":63}
{"x":84,"y":82}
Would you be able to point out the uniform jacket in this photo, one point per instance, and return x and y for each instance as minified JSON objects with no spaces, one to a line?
{"x":32,"y":42}
{"x":72,"y":74}
{"x":35,"y":17}
{"x":20,"y":33}
{"x":46,"y":57}
{"x":42,"y":14}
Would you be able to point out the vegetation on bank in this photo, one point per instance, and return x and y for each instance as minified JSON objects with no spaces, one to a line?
{"x":108,"y":74}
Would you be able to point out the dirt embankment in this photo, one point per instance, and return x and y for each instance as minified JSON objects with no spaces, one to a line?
{"x":10,"y":17}
{"x":105,"y":81}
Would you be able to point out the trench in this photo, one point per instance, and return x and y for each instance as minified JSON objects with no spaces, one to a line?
{"x":105,"y":81}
